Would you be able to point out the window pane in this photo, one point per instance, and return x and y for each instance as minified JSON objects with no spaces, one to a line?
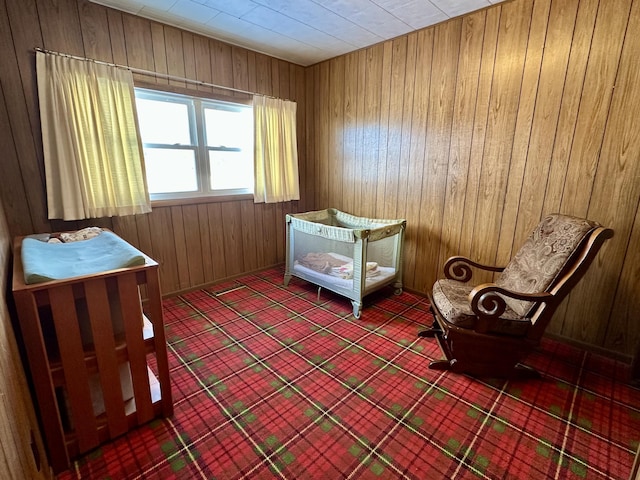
{"x":170,"y":170}
{"x":163,"y":122}
{"x":228,"y":128}
{"x":230,"y":170}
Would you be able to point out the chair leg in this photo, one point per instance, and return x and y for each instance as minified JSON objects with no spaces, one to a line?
{"x":430,"y":332}
{"x":442,"y":364}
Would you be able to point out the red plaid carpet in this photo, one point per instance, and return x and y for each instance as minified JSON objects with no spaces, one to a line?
{"x":269,"y":382}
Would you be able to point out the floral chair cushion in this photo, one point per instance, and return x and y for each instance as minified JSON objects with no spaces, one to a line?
{"x":452,"y":300}
{"x":542,"y":257}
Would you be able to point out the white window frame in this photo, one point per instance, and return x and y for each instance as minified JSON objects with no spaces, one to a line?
{"x":196,"y":107}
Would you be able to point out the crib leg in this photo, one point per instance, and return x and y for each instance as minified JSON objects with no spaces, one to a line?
{"x":287,"y":279}
{"x":357,"y":308}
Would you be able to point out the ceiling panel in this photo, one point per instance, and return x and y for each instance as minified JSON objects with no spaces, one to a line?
{"x":300,"y":31}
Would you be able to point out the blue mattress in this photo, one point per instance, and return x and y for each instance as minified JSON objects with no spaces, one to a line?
{"x":43,"y":261}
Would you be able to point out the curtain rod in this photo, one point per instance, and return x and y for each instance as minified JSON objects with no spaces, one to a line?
{"x":150,"y":72}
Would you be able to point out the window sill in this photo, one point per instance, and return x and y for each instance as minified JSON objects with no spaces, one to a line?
{"x":172,"y":202}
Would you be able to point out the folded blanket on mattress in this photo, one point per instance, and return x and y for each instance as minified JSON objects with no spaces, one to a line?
{"x":321,"y":262}
{"x":43,"y":261}
{"x":346,"y":271}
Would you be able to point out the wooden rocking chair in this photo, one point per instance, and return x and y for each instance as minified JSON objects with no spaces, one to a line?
{"x":488,"y":329}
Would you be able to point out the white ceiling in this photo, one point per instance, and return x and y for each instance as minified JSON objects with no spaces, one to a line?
{"x":300,"y":31}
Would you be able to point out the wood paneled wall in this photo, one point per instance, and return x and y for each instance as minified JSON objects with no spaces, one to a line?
{"x":476,"y":128}
{"x":17,"y":417}
{"x":472,"y":130}
{"x":195,"y":244}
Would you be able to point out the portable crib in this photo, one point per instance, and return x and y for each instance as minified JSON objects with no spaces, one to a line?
{"x":351,"y":256}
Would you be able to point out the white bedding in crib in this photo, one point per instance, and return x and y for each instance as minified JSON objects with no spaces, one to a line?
{"x":382,"y":276}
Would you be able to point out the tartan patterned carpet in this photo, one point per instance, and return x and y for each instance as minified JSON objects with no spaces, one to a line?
{"x":269,"y":383}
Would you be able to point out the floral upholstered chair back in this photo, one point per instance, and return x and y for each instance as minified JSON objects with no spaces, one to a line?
{"x":543,"y":257}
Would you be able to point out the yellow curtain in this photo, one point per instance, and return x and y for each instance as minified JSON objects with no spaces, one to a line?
{"x":276,"y":151}
{"x":92,"y":153}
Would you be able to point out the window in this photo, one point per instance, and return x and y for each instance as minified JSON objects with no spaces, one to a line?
{"x":195,"y":146}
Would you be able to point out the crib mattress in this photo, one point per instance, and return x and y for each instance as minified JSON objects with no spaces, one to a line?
{"x":384,"y":276}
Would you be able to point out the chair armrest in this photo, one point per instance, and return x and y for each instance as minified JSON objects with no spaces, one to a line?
{"x":459,"y":268}
{"x":488,"y":305}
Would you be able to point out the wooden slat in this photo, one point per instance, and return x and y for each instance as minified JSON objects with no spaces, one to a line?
{"x":132,"y":320}
{"x":439,"y":125}
{"x":336,"y":136}
{"x":268,"y":240}
{"x":379,"y":180}
{"x":503,"y":109}
{"x":57,"y":32}
{"x":154,"y":307}
{"x":202,"y":62}
{"x":217,"y":235}
{"x":24,"y":39}
{"x":175,"y":55}
{"x":164,"y":250}
{"x":323,"y":163}
{"x":159,"y":53}
{"x":485,"y":83}
{"x":615,"y":184}
{"x":469,"y":59}
{"x":105,"y":347}
{"x":116,"y":30}
{"x":95,"y":37}
{"x":189,"y":59}
{"x":15,"y":137}
{"x":404,"y":162}
{"x":205,"y":243}
{"x":221,"y":65}
{"x":138,"y":37}
{"x":231,"y":218}
{"x":180,"y":247}
{"x":349,"y":174}
{"x":65,"y":319}
{"x":43,"y":385}
{"x":417,"y":148}
{"x":599,"y":82}
{"x":249,"y":240}
{"x":544,"y":132}
{"x":193,"y":244}
{"x":399,"y":85}
{"x":369,"y":166}
{"x":522,"y":133}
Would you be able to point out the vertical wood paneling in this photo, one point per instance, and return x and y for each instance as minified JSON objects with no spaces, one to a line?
{"x":546,"y":115}
{"x":217,"y":238}
{"x":485,"y":83}
{"x":472,"y":32}
{"x":194,"y":244}
{"x":370,"y":146}
{"x":385,"y":125}
{"x":336,"y":131}
{"x":513,"y":115}
{"x":417,"y":151}
{"x":472,"y":130}
{"x":19,"y":88}
{"x":350,"y":107}
{"x":604,"y":55}
{"x":17,"y":417}
{"x":323,"y":163}
{"x":503,"y":110}
{"x":439,"y":126}
{"x":389,"y":158}
{"x":522,"y":133}
{"x":614,"y":201}
{"x":404,"y":161}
